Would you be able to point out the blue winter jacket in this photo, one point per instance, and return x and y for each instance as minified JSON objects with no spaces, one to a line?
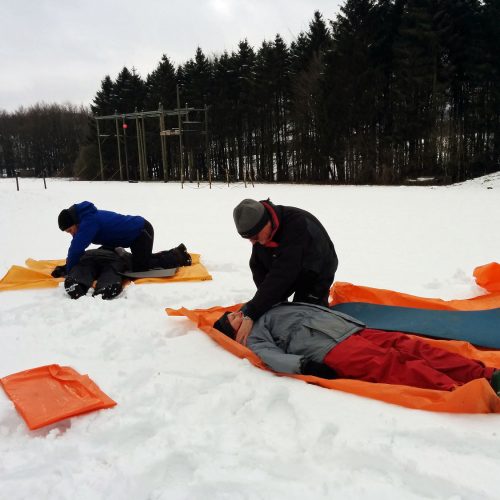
{"x":101,"y":227}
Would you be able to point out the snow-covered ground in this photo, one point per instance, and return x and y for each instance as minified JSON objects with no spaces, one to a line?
{"x":195,"y":422}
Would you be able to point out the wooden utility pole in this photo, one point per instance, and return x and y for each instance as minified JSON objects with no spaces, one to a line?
{"x":100,"y":152}
{"x":163,"y":142}
{"x":144,"y":149}
{"x":207,"y":154}
{"x":119,"y":148}
{"x":179,"y":121}
{"x":124,"y":126}
{"x":139,"y":144}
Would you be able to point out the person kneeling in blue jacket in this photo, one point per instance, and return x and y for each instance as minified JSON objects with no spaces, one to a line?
{"x":89,"y":225}
{"x":309,"y":339}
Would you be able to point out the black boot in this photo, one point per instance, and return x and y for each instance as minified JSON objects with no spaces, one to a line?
{"x":74,"y":289}
{"x":182,"y":255}
{"x":495,"y":381}
{"x":109,"y":292}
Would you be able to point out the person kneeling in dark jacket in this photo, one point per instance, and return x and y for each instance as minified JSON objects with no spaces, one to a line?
{"x":106,"y":265}
{"x":309,"y":339}
{"x":292,"y":254}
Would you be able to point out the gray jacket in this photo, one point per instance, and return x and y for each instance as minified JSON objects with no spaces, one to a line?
{"x":291,"y":331}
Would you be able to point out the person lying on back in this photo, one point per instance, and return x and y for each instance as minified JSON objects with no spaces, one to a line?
{"x":311,"y":339}
{"x":106,"y":265}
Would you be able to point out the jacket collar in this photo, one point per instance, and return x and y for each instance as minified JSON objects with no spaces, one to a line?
{"x":275,"y":223}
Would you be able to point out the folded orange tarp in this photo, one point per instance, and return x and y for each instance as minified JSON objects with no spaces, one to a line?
{"x":475,"y":397}
{"x":44,"y":266}
{"x":47,"y":394}
{"x":487,"y":276}
{"x":19,"y":278}
{"x":36,"y":274}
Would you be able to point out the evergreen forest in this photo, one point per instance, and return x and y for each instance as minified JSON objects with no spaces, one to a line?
{"x":387,"y":92}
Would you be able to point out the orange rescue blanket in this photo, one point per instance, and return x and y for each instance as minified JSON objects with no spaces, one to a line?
{"x":36,"y":274}
{"x":487,"y":277}
{"x":475,"y":397}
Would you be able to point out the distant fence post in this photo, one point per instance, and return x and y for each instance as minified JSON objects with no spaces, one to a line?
{"x":17,"y":178}
{"x":44,"y":183}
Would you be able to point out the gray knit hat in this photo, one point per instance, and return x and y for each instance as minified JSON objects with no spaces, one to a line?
{"x":250,"y":217}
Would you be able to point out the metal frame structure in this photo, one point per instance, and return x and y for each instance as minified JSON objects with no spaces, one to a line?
{"x":139,"y":118}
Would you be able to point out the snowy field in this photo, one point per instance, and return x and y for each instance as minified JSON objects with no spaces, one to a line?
{"x":195,"y":422}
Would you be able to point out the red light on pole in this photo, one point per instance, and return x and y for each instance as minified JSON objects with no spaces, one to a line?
{"x":125,"y":125}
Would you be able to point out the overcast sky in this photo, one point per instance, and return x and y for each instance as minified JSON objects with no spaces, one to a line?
{"x":60,"y":50}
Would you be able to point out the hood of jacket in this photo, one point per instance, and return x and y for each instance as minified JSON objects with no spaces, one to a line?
{"x":83,"y":209}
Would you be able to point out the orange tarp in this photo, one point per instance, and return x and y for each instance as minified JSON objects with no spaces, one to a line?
{"x":36,"y":274}
{"x":44,"y":266}
{"x":487,"y":276}
{"x":47,"y":394}
{"x":19,"y":278}
{"x":475,"y":397}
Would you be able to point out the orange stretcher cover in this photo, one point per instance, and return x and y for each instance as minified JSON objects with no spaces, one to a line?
{"x":19,"y":278}
{"x":36,"y":274}
{"x":47,"y":394}
{"x":475,"y":397}
{"x":487,"y":277}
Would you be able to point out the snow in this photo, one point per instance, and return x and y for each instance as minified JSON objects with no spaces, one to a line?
{"x":195,"y":422}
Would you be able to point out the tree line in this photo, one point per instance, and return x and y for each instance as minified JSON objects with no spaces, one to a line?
{"x":42,"y":140}
{"x":389,"y":91}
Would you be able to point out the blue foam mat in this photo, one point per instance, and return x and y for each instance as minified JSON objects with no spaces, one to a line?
{"x":481,"y":328}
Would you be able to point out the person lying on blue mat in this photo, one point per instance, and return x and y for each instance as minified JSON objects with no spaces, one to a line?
{"x":105,"y":265}
{"x":309,"y":339}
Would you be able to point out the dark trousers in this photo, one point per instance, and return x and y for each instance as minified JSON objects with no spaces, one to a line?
{"x":102,"y":265}
{"x":396,"y":358}
{"x":313,"y":288}
{"x":142,"y":248}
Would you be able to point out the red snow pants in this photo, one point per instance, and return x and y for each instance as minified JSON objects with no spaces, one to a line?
{"x":396,"y":358}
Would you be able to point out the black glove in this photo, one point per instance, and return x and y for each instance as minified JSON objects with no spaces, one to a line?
{"x":59,"y":272}
{"x":309,"y":367}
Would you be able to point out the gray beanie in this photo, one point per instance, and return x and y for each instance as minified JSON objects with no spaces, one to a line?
{"x":250,"y":217}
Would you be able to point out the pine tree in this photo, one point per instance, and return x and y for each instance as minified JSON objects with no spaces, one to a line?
{"x":197,"y":80}
{"x":357,"y":92}
{"x":161,"y":86}
{"x":244,"y":67}
{"x":103,"y":104}
{"x":223,"y":116}
{"x":103,"y":101}
{"x":307,"y":64}
{"x":490,"y":40}
{"x":272,"y":94}
{"x":129,"y":91}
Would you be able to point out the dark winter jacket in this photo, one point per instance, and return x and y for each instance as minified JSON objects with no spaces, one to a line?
{"x":300,"y":248}
{"x":292,"y":331}
{"x":101,"y":227}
